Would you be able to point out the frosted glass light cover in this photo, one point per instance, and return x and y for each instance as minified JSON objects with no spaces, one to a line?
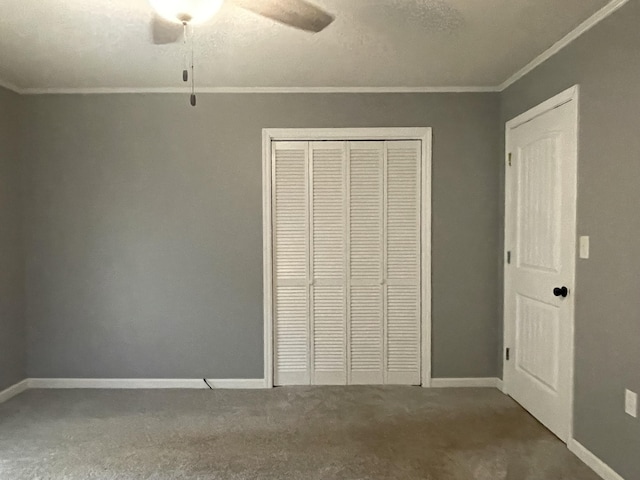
{"x":199,"y":10}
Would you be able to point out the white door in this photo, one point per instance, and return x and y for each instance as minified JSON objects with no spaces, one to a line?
{"x":539,"y":274}
{"x":366,"y":257}
{"x":347,"y":271}
{"x":328,"y":313}
{"x":291,"y":276}
{"x":402,"y":263}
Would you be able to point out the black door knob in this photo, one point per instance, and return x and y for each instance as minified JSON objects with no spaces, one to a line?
{"x":561,"y":292}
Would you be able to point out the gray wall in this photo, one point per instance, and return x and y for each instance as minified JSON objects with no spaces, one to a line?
{"x":12,"y":322}
{"x":143,"y":228}
{"x":606,"y":64}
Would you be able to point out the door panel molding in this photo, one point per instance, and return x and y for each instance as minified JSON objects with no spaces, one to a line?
{"x":423,"y":134}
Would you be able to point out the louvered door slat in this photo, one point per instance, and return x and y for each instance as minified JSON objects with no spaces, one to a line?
{"x":291,"y":335}
{"x":402,"y":363}
{"x":328,"y":202}
{"x":365,"y":161}
{"x":291,"y":289}
{"x":365,"y":261}
{"x":403,"y":335}
{"x":366,"y":335}
{"x":290,"y":215}
{"x":328,"y":313}
{"x":329,"y":335}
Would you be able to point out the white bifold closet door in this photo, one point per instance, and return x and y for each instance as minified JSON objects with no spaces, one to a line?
{"x":328,"y":313}
{"x":346,"y":233}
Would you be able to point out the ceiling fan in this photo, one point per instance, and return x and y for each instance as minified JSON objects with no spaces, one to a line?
{"x":173,"y":19}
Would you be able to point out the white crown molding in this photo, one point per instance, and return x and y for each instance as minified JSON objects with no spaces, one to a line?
{"x":14,"y":390}
{"x":584,"y":27}
{"x":466,"y":383}
{"x":106,"y":91}
{"x":593,"y":462}
{"x":141,"y":383}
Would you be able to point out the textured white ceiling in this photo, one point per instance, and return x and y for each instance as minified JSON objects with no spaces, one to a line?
{"x":70,"y":44}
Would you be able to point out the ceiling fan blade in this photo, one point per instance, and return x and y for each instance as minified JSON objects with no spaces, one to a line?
{"x":163,"y":31}
{"x":295,"y":13}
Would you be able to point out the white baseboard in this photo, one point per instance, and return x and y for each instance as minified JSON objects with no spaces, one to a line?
{"x":466,"y":383}
{"x":189,"y":383}
{"x":133,"y":383}
{"x":239,"y":383}
{"x":597,"y":465}
{"x":14,"y":390}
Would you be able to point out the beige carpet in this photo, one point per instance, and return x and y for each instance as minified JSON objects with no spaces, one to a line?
{"x":287,"y":433}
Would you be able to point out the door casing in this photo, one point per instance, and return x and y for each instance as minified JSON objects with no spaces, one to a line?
{"x":269,"y":135}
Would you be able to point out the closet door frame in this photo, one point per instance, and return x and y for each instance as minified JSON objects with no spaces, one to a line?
{"x":270,"y":135}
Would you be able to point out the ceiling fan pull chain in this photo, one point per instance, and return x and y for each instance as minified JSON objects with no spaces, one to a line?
{"x":185,"y":70}
{"x":193,"y":79}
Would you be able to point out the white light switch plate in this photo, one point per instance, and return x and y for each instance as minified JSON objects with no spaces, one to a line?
{"x":584,"y":247}
{"x":631,"y":403}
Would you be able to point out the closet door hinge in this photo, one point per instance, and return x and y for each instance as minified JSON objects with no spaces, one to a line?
{"x":509,"y":258}
{"x":509,"y":161}
{"x":507,"y":354}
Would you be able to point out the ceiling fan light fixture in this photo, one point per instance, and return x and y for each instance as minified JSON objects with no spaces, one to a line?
{"x":186,"y":11}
